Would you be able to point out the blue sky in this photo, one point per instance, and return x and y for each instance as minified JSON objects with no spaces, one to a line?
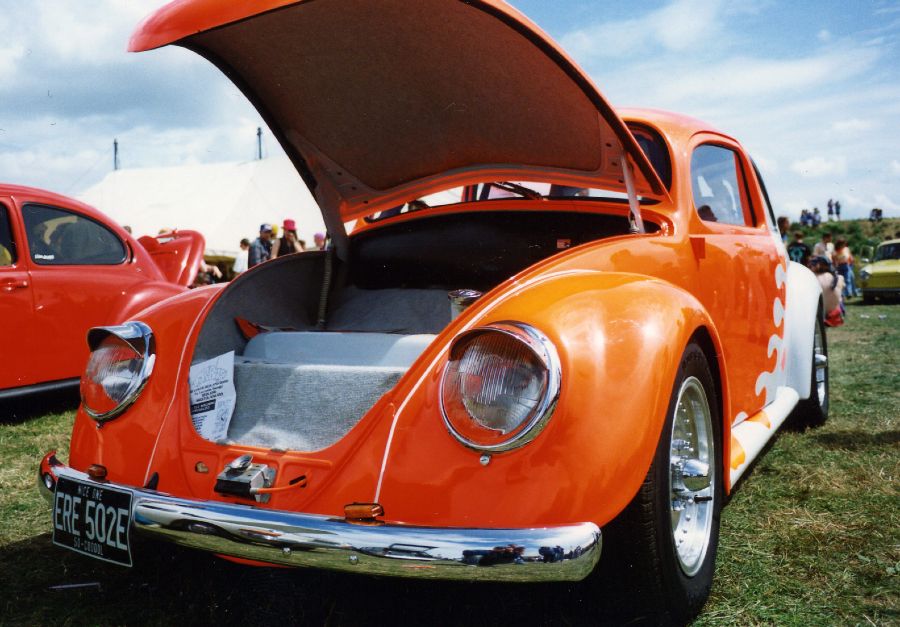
{"x":812,"y":89}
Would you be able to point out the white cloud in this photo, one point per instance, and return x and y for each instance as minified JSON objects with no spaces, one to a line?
{"x":886,"y":203}
{"x":852,"y":125}
{"x":817,"y":167}
{"x":104,"y":28}
{"x":740,"y":76}
{"x":9,"y":59}
{"x":766,"y":164}
{"x":675,"y":27}
{"x":895,"y":167}
{"x":824,"y":36}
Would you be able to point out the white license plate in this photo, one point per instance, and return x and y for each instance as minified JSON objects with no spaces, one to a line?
{"x":93,"y":520}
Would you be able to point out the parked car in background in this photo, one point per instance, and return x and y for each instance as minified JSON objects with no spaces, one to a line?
{"x":881,"y":277}
{"x":587,"y":348}
{"x":64,"y":268}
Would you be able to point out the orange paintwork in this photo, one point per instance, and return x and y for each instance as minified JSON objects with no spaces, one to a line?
{"x":762,"y":418}
{"x":620,"y":312}
{"x":48,"y":309}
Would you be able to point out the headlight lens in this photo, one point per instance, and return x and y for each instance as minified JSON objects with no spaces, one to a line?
{"x":864,"y":275}
{"x":500,"y":386}
{"x":121,"y":361}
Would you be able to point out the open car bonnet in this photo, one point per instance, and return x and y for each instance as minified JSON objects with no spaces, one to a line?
{"x":377,"y":103}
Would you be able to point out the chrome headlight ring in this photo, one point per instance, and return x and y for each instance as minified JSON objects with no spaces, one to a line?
{"x":139,"y":338}
{"x":541,"y":348}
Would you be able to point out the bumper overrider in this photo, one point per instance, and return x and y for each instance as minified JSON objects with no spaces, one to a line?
{"x":561,"y":553}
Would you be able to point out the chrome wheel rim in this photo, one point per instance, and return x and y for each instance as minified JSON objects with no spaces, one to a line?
{"x":820,"y":362}
{"x":692,"y":477}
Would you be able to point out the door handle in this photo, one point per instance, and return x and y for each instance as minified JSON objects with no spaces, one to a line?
{"x":8,"y":285}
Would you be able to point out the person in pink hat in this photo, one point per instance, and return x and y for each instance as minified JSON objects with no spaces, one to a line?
{"x":288,"y":243}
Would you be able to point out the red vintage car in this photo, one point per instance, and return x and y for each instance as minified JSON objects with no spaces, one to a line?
{"x":64,"y":268}
{"x":553,"y":323}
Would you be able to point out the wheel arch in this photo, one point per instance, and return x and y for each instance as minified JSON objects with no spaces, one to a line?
{"x":803,"y":296}
{"x":704,"y":337}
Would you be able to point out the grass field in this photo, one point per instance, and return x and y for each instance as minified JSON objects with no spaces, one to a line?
{"x":811,"y":537}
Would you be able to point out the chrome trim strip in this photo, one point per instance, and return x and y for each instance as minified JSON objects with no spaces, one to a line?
{"x":140,"y":337}
{"x":562,"y":553}
{"x":543,"y":349}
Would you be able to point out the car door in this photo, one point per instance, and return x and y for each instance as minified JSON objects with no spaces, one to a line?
{"x":17,"y":364}
{"x":742,"y":269}
{"x":80,"y":269}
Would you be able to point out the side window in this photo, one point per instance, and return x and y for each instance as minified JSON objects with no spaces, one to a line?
{"x":714,"y":179}
{"x":57,"y":237}
{"x":765,"y":194}
{"x":655,"y":150}
{"x":7,"y":245}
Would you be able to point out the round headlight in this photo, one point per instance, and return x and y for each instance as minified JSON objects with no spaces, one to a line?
{"x":121,"y":361}
{"x":500,"y":386}
{"x":864,"y":275}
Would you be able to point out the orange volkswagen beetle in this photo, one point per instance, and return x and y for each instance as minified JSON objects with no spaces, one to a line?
{"x":552,"y":326}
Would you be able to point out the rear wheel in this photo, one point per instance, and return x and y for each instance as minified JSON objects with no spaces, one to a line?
{"x":665,"y":541}
{"x":813,"y":411}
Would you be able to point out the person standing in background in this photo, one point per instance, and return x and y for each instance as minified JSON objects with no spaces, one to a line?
{"x":843,"y":263}
{"x":240,"y":262}
{"x":288,"y":243}
{"x":830,"y":209}
{"x":837,"y":209}
{"x":824,"y":248}
{"x":797,"y":250}
{"x":832,"y":286}
{"x":261,"y":248}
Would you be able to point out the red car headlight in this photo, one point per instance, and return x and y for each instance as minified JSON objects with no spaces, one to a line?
{"x":121,"y":361}
{"x":500,"y":386}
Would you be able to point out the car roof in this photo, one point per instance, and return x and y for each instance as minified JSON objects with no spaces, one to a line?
{"x":10,"y":189}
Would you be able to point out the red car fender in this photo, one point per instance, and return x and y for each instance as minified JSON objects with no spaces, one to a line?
{"x":143,"y":295}
{"x":620,"y":338}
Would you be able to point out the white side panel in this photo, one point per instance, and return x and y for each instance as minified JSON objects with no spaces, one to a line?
{"x":749,"y":437}
{"x":803,"y":295}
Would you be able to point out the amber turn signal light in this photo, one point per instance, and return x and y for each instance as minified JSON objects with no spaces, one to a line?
{"x":97,"y":472}
{"x":363,"y":511}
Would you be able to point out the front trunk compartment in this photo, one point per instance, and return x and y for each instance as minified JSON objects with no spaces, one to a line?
{"x":318,"y":341}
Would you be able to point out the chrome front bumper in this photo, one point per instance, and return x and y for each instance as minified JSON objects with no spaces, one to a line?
{"x":562,"y":553}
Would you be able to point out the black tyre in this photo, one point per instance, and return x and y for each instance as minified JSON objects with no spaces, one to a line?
{"x":813,"y":411}
{"x":664,"y":543}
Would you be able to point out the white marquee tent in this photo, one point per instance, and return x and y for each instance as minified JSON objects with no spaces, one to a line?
{"x":223,"y":201}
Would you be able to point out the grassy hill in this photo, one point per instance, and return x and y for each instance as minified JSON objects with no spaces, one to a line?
{"x":859,"y":233}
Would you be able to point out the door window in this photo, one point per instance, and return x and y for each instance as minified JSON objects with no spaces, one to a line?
{"x":7,"y":245}
{"x":714,"y":179}
{"x":57,"y":237}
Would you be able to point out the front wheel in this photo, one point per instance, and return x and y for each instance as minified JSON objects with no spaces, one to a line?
{"x":665,"y":541}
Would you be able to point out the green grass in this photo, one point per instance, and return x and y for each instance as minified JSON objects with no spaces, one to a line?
{"x":811,"y":537}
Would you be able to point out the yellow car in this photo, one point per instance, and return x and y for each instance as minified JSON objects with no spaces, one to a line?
{"x":882,"y":276}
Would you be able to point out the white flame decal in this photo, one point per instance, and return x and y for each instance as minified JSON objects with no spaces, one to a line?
{"x":768,"y":381}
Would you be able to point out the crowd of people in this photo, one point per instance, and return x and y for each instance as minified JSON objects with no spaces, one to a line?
{"x":812,"y":217}
{"x":832,"y":261}
{"x":267,"y":246}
